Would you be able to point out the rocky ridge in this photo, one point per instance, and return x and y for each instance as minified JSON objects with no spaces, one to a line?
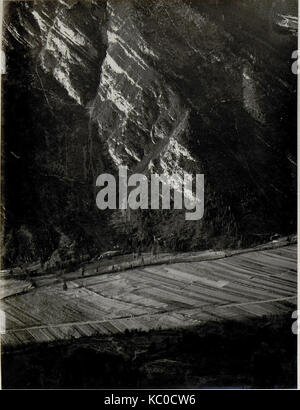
{"x":159,"y":86}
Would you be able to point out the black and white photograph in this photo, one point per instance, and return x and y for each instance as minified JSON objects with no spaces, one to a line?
{"x":149,"y":196}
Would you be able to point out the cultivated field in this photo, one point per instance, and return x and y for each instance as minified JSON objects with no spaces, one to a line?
{"x":161,"y":296}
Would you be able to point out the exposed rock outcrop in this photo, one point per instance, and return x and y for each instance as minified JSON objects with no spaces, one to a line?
{"x":161,"y":86}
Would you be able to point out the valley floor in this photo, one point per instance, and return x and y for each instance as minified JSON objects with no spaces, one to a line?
{"x":254,"y":284}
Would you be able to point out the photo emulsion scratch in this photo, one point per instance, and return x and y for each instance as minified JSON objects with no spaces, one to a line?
{"x":149,"y":197}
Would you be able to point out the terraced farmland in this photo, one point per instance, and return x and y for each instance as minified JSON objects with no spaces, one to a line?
{"x":162,"y":296}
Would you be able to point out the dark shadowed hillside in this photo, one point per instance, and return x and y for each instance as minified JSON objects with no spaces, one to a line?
{"x":161,"y":86}
{"x":258,"y":353}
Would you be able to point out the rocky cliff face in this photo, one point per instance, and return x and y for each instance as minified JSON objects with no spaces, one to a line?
{"x":161,"y":86}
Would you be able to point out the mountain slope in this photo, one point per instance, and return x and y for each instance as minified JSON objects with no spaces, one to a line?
{"x":161,"y":86}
